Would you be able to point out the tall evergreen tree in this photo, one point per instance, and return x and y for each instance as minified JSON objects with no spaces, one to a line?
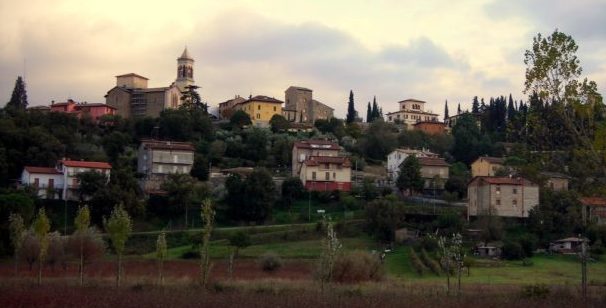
{"x":375,"y":109}
{"x":459,"y":109}
{"x":475,"y":106}
{"x":19,"y":96}
{"x":446,"y":110}
{"x":351,"y":110}
{"x":511,"y":110}
{"x":368,"y":114}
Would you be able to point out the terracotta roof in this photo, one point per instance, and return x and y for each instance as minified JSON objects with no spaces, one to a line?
{"x":503,"y":180}
{"x":338,"y":160}
{"x":317,"y":144}
{"x":432,"y":161}
{"x":86,"y":164}
{"x":167,"y":145}
{"x":46,"y":170}
{"x":554,"y":175}
{"x":262,"y":98}
{"x":492,"y":160}
{"x":411,"y":100}
{"x":132,"y":75}
{"x":571,"y":239}
{"x":593,"y":201}
{"x":430,"y":122}
{"x":95,"y":105}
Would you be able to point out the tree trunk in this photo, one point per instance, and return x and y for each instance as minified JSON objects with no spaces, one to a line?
{"x":119,"y":270}
{"x":39,"y":272}
{"x":186,"y":219}
{"x":161,"y":270}
{"x":16,"y":264}
{"x":448,"y":277}
{"x":459,"y":269}
{"x":81,"y":265}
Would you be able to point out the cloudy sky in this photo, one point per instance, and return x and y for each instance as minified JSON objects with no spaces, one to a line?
{"x":429,"y":50}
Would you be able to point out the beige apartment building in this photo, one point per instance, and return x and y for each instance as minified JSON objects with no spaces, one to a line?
{"x":410,"y":112}
{"x":157,"y":159}
{"x":326,"y":173}
{"x":501,"y":196}
{"x":434,"y":171}
{"x":486,"y":166}
{"x":304,"y":149}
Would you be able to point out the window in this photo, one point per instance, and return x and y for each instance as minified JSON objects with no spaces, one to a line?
{"x":514,"y":202}
{"x":334,"y":175}
{"x":51,"y":183}
{"x":327,"y":176}
{"x":498,"y":189}
{"x":515,"y":191}
{"x":258,"y":116}
{"x":36,"y":182}
{"x":390,"y":118}
{"x":326,"y":166}
{"x":313,"y":175}
{"x":498,"y":201}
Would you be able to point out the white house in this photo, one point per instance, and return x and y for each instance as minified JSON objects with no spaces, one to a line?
{"x":410,"y":112}
{"x":47,"y":181}
{"x":395,"y":159}
{"x":62,"y":178}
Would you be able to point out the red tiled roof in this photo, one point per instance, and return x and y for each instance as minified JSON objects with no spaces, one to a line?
{"x":86,"y":164}
{"x":338,"y":160}
{"x":167,"y":145}
{"x":593,"y":201}
{"x":503,"y":180}
{"x":432,"y":161}
{"x":262,"y":98}
{"x":322,"y":144}
{"x":430,"y":122}
{"x":46,"y":170}
{"x":95,"y":105}
{"x":132,"y":75}
{"x":411,"y":100}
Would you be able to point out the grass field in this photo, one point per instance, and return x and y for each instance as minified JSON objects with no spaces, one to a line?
{"x":555,"y":269}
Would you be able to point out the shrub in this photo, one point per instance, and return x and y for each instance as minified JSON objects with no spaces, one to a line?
{"x":429,"y":243}
{"x":527,"y":262}
{"x":597,"y":248}
{"x":432,"y":264}
{"x":512,"y":251}
{"x":357,"y":266}
{"x":270,"y":262}
{"x":535,"y":291}
{"x":416,"y":263}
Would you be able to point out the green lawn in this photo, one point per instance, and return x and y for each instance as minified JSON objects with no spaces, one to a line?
{"x":545,"y":269}
{"x":299,"y":249}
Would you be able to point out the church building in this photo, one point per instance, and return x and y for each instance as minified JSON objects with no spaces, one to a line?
{"x":133,"y":98}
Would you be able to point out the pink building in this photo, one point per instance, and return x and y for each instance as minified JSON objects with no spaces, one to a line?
{"x":95,"y":110}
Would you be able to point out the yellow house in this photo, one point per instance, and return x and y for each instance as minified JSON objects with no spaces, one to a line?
{"x":486,"y":166}
{"x":260,"y":109}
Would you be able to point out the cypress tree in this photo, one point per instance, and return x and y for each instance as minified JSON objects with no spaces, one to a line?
{"x":351,"y":110}
{"x":446,"y":110}
{"x":368,"y":114}
{"x":475,"y":106}
{"x":375,"y":109}
{"x":511,"y":111}
{"x":459,"y":109}
{"x":19,"y":96}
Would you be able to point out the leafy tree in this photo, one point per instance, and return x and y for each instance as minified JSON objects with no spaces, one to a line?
{"x":82,"y":223}
{"x":41,"y":227}
{"x":18,"y":99}
{"x":351,"y":110}
{"x":251,"y":199}
{"x":178,"y":187}
{"x":89,"y":183}
{"x":378,"y":141}
{"x":200,"y":170}
{"x":466,"y":139}
{"x":192,"y":99}
{"x":292,"y":189}
{"x":30,"y":248}
{"x":161,"y":253}
{"x":17,"y":231}
{"x":239,"y":119}
{"x":255,"y":143}
{"x":409,"y":177}
{"x":239,"y":240}
{"x":119,"y":227}
{"x":208,"y":219}
{"x":383,"y":217}
{"x":278,"y":123}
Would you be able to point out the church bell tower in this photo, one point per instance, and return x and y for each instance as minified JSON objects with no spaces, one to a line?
{"x":185,"y":71}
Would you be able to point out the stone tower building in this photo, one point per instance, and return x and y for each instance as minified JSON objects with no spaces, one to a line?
{"x":185,"y":71}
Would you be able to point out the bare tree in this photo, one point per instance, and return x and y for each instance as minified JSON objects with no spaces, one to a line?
{"x":30,"y":248}
{"x":41,"y":228}
{"x":331,"y":246}
{"x":87,"y":246}
{"x":56,"y":251}
{"x":161,"y":253}
{"x":82,"y":223}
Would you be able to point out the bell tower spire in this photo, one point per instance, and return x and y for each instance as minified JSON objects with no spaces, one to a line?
{"x":185,"y":70}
